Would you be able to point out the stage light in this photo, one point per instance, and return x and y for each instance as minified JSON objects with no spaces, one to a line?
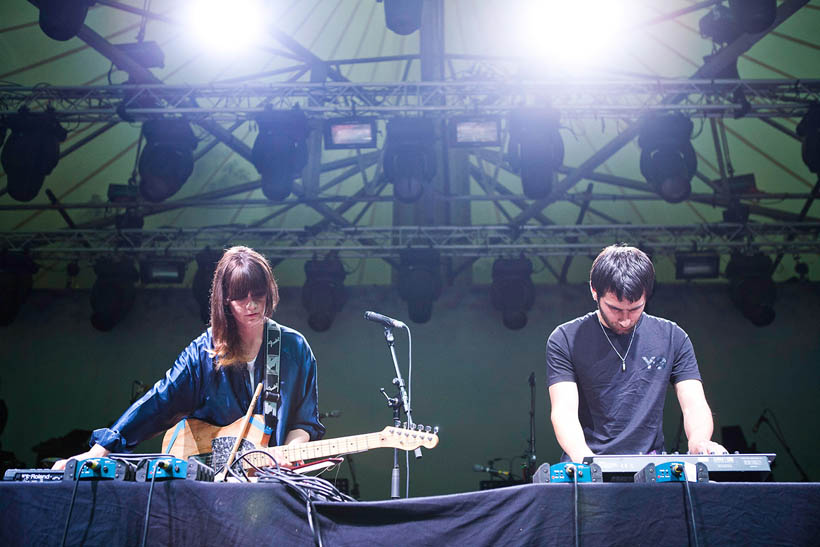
{"x":168,"y":158}
{"x":147,"y":54}
{"x":403,"y":16}
{"x":62,"y":19}
{"x":227,"y":29}
{"x":536,"y":150}
{"x":280,"y":150}
{"x":122,"y":193}
{"x":572,"y":35}
{"x":410,"y":157}
{"x":720,"y":25}
{"x":697,"y":265}
{"x":201,"y":286}
{"x":31,"y":152}
{"x":751,"y":287}
{"x":420,"y":282}
{"x":323,"y":293}
{"x":668,"y":160}
{"x":113,"y":293}
{"x":341,"y":133}
{"x":162,"y":271}
{"x":512,"y":291}
{"x":473,"y":131}
{"x":809,"y":132}
{"x":16,"y":271}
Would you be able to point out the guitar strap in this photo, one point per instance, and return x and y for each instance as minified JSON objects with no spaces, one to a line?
{"x":270,"y":400}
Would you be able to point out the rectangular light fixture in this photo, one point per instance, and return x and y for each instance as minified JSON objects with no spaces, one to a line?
{"x":474,"y":131}
{"x":162,"y":271}
{"x":341,"y":133}
{"x":697,"y":265}
{"x":119,"y":193}
{"x":148,"y":54}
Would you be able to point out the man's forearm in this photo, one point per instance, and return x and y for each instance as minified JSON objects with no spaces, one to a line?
{"x":698,"y":425}
{"x":570,"y":436}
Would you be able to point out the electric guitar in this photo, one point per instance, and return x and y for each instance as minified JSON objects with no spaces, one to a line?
{"x":192,"y":437}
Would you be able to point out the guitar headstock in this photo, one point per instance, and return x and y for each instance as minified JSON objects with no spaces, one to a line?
{"x":409,"y":439}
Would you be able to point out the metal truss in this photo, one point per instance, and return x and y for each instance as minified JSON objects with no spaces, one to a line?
{"x":574,"y":99}
{"x":455,"y":241}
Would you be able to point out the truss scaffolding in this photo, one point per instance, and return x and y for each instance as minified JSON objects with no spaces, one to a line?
{"x":453,"y":241}
{"x":574,"y":99}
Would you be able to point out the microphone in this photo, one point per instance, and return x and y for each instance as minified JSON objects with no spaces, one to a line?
{"x":758,"y":422}
{"x":388,"y":322}
{"x":478,"y":468}
{"x":330,"y":414}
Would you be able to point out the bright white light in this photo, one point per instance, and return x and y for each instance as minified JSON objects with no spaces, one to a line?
{"x":572,"y":33}
{"x":227,"y":27}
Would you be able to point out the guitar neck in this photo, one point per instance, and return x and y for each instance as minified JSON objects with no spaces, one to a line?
{"x":322,"y":449}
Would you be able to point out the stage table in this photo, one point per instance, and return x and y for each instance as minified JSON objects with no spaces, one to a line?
{"x":197,"y":513}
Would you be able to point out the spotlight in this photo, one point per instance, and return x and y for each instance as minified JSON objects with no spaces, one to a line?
{"x":343,"y":133}
{"x":403,"y":16}
{"x":751,"y":287}
{"x":323,"y":293}
{"x":420,"y":282}
{"x":113,"y":293}
{"x":31,"y":152}
{"x":410,"y":156}
{"x":512,"y":290}
{"x":536,"y":150}
{"x":280,"y":150}
{"x":201,"y":286}
{"x":697,"y":265}
{"x":809,"y":132}
{"x":62,"y":19}
{"x":168,"y":158}
{"x":16,"y":271}
{"x":471,"y":132}
{"x":668,"y":160}
{"x":720,"y":25}
{"x":162,"y":271}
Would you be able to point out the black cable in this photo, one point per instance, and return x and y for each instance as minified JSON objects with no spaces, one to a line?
{"x":73,"y":497}
{"x":148,"y":505}
{"x":575,"y":504}
{"x":691,"y":505}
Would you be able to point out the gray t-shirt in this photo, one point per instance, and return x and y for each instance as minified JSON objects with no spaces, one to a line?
{"x":621,"y":411}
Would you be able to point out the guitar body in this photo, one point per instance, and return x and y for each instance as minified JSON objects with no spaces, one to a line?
{"x":192,"y":437}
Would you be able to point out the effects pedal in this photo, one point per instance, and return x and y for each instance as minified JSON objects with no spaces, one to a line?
{"x":174,"y":468}
{"x":566,"y":472}
{"x":673,"y":472}
{"x":98,"y":469}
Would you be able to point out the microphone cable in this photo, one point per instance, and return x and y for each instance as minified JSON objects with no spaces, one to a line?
{"x":150,"y":493}
{"x":73,"y":497}
{"x":691,"y":503}
{"x":575,"y":504}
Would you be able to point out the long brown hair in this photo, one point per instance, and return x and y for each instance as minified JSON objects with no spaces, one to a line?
{"x":240,"y":271}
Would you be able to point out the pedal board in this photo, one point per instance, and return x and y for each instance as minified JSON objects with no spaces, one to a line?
{"x":566,"y":472}
{"x":673,"y":472}
{"x":98,"y":469}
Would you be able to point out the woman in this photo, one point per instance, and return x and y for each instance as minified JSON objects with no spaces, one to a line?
{"x":214,"y":378}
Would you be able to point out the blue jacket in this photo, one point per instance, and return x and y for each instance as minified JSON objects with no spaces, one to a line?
{"x":194,"y":388}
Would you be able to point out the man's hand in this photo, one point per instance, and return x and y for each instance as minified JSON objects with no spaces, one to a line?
{"x":706,"y":447}
{"x":97,"y":451}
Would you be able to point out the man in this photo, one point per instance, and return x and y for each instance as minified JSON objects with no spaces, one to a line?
{"x":214,"y":378}
{"x":608,"y":371}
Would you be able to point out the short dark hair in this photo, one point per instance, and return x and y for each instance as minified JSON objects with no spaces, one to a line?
{"x":623,"y":270}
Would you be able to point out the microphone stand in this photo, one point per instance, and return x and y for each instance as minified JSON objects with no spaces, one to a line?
{"x":531,"y":458}
{"x":397,"y":404}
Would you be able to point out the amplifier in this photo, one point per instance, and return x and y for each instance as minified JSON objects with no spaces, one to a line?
{"x":566,"y":472}
{"x":673,"y":472}
{"x":174,"y":468}
{"x":98,"y":469}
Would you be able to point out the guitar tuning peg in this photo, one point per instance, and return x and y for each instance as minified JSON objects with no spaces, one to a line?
{"x":428,"y":429}
{"x":435,"y":430}
{"x":404,"y":425}
{"x":419,"y":427}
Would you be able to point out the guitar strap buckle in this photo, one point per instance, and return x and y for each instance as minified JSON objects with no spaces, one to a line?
{"x":270,"y":401}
